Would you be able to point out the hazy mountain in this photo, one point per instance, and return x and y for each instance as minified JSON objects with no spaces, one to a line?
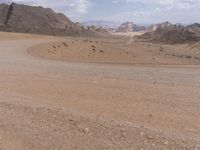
{"x":103,"y":24}
{"x":129,"y":27}
{"x":162,"y":25}
{"x":31,"y":19}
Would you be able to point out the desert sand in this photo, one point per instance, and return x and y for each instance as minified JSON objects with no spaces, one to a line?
{"x":97,"y":93}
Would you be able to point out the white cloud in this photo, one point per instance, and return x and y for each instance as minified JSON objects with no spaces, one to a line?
{"x":115,"y":1}
{"x":184,"y":11}
{"x":82,"y":6}
{"x":167,"y":3}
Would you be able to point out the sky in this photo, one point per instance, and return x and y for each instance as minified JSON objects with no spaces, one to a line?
{"x":137,"y":11}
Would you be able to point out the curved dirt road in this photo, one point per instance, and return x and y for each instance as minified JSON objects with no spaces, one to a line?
{"x":49,"y":104}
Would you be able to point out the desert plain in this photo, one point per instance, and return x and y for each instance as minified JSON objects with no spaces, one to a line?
{"x":63,"y":93}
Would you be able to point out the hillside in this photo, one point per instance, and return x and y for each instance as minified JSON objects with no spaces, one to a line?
{"x":171,"y":34}
{"x":129,"y":27}
{"x":194,"y":28}
{"x":39,"y":20}
{"x":163,"y":25}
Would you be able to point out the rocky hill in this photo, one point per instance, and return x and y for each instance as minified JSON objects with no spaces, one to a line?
{"x":163,"y":25}
{"x":39,"y":20}
{"x":102,"y":24}
{"x":194,"y":28}
{"x":129,"y":27}
{"x":171,"y":34}
{"x":3,"y":13}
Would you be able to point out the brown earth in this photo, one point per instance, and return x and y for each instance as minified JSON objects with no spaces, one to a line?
{"x":117,"y":51}
{"x":65,"y":99}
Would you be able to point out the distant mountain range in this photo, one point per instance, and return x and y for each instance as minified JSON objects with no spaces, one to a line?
{"x":164,"y":32}
{"x":103,"y":24}
{"x":39,"y":20}
{"x":129,"y":27}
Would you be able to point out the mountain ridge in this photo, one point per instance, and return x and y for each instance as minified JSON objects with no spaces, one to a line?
{"x":169,"y":33}
{"x":36,"y":19}
{"x":101,"y":23}
{"x":129,"y":27}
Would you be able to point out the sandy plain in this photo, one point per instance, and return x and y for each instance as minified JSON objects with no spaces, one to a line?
{"x":97,"y":93}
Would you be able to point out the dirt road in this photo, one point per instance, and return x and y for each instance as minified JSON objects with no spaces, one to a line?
{"x":50,"y":104}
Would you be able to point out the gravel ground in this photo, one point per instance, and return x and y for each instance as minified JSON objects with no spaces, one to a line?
{"x":55,"y":105}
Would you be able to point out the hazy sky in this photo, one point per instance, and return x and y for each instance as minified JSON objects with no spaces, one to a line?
{"x":138,"y":11}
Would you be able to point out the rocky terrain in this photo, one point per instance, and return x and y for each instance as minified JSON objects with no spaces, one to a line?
{"x":171,"y":34}
{"x":154,"y":27}
{"x":3,"y":14}
{"x":129,"y":27}
{"x":97,"y":93}
{"x":164,"y":32}
{"x":195,"y":28}
{"x":122,"y":92}
{"x":103,"y":24}
{"x":39,"y":20}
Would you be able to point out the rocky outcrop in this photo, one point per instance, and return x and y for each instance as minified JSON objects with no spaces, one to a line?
{"x":129,"y":27}
{"x":163,"y":25}
{"x":194,"y":28}
{"x":171,"y":34}
{"x":39,"y":20}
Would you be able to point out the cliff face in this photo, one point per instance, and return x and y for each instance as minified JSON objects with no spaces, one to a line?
{"x":3,"y":14}
{"x":39,"y":20}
